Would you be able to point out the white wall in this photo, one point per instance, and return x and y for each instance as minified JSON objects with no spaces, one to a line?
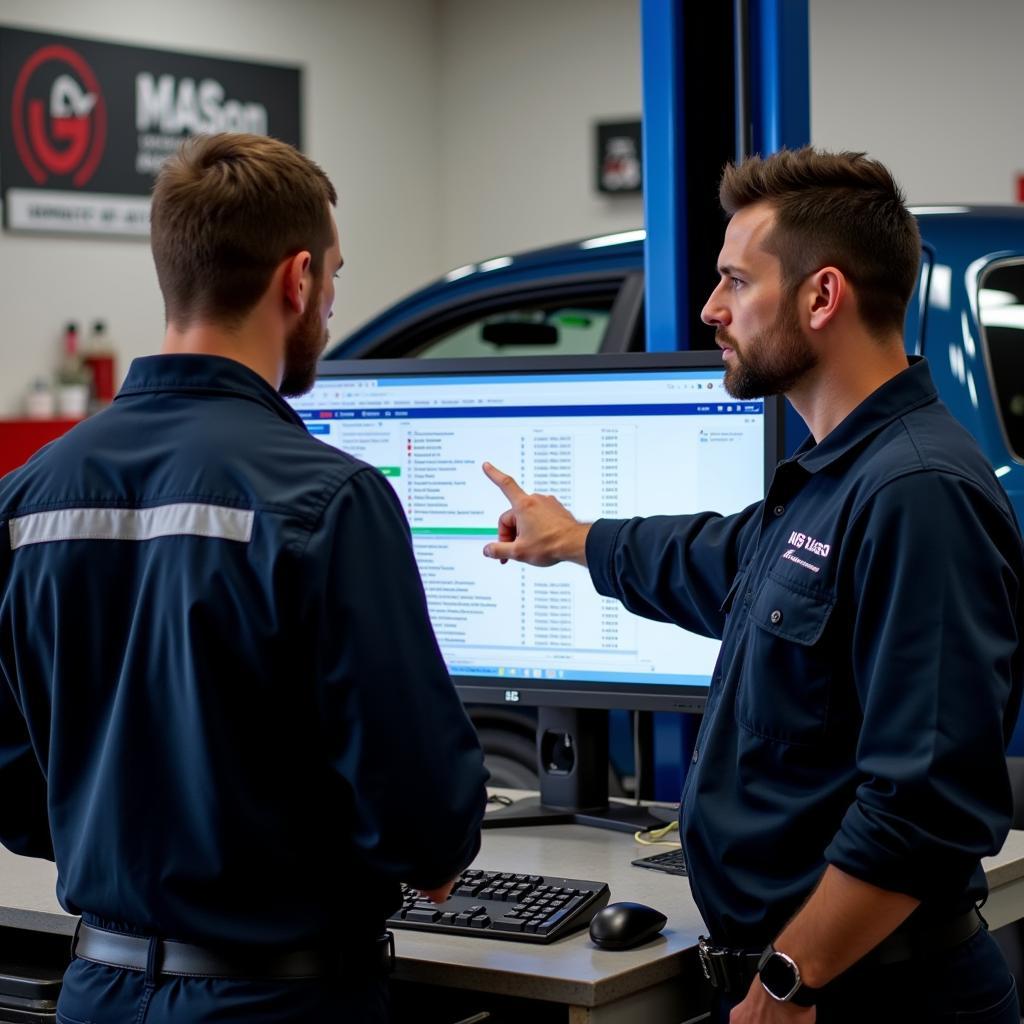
{"x":370,"y":114}
{"x":521,"y":85}
{"x":930,"y":88}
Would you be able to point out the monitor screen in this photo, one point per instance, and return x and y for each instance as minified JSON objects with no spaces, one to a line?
{"x":610,"y":437}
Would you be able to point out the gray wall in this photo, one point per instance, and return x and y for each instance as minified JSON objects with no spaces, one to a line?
{"x":931,"y":87}
{"x":456,"y":130}
{"x":521,"y":86}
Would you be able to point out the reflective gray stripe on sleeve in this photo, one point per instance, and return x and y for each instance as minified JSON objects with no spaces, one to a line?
{"x":184,"y":519}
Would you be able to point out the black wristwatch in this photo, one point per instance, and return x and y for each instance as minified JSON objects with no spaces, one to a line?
{"x":781,"y":979}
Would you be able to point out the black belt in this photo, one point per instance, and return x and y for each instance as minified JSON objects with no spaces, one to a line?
{"x":908,"y":944}
{"x":732,"y":970}
{"x":158,"y":956}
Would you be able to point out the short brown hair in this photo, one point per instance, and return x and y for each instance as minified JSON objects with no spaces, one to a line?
{"x":835,"y":209}
{"x":227,"y":209}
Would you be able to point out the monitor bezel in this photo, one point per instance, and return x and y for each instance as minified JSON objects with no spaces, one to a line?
{"x":578,"y":694}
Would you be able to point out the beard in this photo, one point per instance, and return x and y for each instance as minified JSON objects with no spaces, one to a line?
{"x":302,"y":349}
{"x":771,"y":362}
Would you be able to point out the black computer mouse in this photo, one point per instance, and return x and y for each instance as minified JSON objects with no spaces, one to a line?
{"x":625,"y":925}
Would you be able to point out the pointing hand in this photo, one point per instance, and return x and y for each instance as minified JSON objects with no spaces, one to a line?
{"x":538,"y":529}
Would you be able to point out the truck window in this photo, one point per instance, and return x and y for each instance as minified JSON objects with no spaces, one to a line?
{"x":1001,"y":313}
{"x":535,"y":331}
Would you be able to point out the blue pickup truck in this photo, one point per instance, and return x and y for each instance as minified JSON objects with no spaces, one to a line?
{"x":967,"y":318}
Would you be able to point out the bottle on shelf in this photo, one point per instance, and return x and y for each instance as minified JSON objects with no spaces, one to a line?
{"x":72,"y":378}
{"x":40,"y":401}
{"x":98,"y":358}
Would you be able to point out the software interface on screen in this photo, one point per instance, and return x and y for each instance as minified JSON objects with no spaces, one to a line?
{"x":606,"y":444}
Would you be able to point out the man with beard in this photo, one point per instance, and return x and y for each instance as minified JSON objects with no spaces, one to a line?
{"x":223,"y":712}
{"x":849,"y":773}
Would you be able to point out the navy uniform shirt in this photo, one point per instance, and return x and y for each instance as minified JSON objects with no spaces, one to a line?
{"x":222,"y":708}
{"x":870,"y":669}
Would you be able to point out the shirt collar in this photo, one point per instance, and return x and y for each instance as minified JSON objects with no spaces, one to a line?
{"x":908,"y":390}
{"x":202,"y":373}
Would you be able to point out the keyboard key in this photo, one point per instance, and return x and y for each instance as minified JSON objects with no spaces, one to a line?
{"x":559,"y":915}
{"x":507,"y":924}
{"x":422,"y":914}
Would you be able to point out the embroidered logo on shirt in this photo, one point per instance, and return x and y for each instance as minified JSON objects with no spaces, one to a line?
{"x":791,"y":555}
{"x":808,"y":544}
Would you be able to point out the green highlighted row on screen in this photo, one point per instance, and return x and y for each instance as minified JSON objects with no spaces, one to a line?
{"x":457,"y":531}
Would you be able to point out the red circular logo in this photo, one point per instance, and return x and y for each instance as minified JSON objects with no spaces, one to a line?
{"x":58,"y":116}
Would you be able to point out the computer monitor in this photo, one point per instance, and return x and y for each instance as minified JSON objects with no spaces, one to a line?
{"x":611,"y":437}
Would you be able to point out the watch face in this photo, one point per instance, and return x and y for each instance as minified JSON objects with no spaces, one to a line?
{"x":780,"y":976}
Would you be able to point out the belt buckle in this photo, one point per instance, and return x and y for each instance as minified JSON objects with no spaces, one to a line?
{"x":386,"y":945}
{"x":718,"y":964}
{"x":74,"y":939}
{"x":704,"y":954}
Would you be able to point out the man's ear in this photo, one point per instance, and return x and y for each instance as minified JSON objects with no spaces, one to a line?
{"x":297,"y":281}
{"x":825,"y":292}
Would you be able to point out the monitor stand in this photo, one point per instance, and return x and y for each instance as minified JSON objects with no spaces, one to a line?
{"x":572,"y":762}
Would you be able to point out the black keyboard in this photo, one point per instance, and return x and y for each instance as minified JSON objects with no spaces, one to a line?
{"x":505,"y":905}
{"x":671,"y":861}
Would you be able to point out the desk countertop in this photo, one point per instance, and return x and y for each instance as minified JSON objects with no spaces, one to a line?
{"x":570,"y":971}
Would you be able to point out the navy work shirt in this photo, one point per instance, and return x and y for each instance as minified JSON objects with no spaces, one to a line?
{"x":870,"y":669}
{"x":221,"y":696}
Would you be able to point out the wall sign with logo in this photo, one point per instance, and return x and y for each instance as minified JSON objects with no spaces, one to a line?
{"x":619,"y":157}
{"x":88,"y":124}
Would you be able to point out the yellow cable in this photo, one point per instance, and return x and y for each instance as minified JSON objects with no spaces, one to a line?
{"x":654,"y":835}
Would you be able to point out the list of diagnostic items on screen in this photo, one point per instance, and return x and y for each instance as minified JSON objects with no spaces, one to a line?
{"x":607,"y":445}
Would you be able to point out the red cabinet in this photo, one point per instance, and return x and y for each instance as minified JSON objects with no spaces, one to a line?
{"x":21,"y":438}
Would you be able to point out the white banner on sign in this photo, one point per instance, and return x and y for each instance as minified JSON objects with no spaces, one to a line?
{"x":92,"y":212}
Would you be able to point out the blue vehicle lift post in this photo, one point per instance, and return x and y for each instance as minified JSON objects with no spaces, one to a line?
{"x":720,"y":82}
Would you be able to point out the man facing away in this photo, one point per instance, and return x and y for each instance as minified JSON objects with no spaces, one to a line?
{"x":849,"y":773}
{"x":223,"y":712}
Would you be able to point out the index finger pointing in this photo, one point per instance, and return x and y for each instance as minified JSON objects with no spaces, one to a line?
{"x":504,"y":482}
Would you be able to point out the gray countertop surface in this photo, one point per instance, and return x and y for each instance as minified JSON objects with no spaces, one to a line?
{"x":571,"y":971}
